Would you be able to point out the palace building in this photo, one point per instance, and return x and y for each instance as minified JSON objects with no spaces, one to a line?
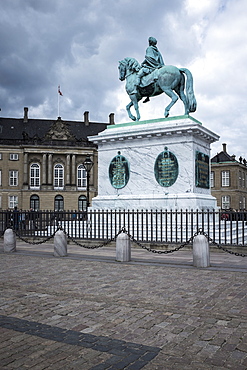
{"x":42,"y":163}
{"x":42,"y":166}
{"x":229,"y":180}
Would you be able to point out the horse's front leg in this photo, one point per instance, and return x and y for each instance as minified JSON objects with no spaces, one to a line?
{"x":137,"y":111}
{"x":129,"y":112}
{"x":135,"y":103}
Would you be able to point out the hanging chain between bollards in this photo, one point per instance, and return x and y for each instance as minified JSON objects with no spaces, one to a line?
{"x":155,"y":250}
{"x":95,"y":246}
{"x":36,"y":243}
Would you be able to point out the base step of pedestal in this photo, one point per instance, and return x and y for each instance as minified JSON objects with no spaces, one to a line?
{"x":189,"y":201}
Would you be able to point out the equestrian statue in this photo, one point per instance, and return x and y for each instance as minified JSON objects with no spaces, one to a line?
{"x":152,"y":78}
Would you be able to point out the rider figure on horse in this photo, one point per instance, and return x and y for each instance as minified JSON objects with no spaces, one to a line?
{"x":153,"y":60}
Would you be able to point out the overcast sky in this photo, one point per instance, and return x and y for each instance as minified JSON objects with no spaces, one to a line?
{"x":77,"y":44}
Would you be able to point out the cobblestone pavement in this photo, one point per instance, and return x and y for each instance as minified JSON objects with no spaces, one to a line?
{"x":82,"y":313}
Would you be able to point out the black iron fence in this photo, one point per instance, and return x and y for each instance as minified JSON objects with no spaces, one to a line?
{"x":223,"y":227}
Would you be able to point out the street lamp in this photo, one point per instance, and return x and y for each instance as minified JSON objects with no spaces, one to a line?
{"x":88,"y":164}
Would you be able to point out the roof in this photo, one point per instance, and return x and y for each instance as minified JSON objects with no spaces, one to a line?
{"x":223,"y":157}
{"x":46,"y":132}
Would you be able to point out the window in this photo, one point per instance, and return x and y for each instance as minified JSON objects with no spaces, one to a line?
{"x":0,"y":177}
{"x":34,"y":202}
{"x":58,"y":203}
{"x":240,"y":179}
{"x":14,"y":157}
{"x":1,"y":156}
{"x":58,"y":176}
{"x":13,"y":178}
{"x":225,"y":178}
{"x":225,"y":202}
{"x":82,"y":203}
{"x":212,"y":179}
{"x":34,"y":176}
{"x":81,"y":176}
{"x":13,"y":201}
{"x":242,"y":202}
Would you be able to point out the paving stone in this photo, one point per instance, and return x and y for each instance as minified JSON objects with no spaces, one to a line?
{"x":93,"y":314}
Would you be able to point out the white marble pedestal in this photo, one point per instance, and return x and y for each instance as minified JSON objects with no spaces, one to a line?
{"x":140,"y":144}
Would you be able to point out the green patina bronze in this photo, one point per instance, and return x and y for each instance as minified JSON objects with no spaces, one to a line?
{"x":152,"y":78}
{"x":202,"y":170}
{"x":168,"y":119}
{"x":119,"y":171}
{"x":166,"y":168}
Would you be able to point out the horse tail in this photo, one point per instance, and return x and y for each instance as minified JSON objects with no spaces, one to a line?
{"x":189,"y":89}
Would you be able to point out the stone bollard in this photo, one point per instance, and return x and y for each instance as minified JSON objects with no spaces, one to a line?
{"x":60,"y":244}
{"x":9,"y":241}
{"x":201,"y":256}
{"x":123,"y":248}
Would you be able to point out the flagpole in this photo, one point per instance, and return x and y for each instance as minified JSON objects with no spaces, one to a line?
{"x":59,"y":92}
{"x":58,"y":97}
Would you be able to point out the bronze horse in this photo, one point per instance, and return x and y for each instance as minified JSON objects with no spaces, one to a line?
{"x":168,"y":79}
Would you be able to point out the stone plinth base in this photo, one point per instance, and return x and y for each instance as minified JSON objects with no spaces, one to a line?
{"x":157,"y":164}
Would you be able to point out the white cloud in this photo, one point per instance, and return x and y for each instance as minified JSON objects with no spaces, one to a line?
{"x":78,"y":45}
{"x":202,"y":8}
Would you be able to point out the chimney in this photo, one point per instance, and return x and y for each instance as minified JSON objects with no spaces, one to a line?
{"x":86,"y":119}
{"x":224,"y":148}
{"x":111,"y":119}
{"x":25,"y":119}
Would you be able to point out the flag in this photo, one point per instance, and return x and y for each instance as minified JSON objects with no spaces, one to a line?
{"x":59,"y":91}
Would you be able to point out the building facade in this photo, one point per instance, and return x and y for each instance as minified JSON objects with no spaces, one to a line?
{"x":229,"y":181}
{"x":41,"y":163}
